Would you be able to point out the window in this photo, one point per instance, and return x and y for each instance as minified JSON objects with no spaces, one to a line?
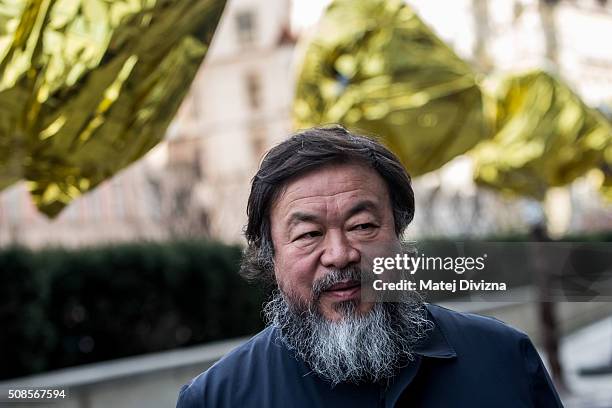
{"x":245,"y":24}
{"x":253,"y":88}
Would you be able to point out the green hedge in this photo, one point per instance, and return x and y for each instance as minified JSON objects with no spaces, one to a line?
{"x":61,"y":308}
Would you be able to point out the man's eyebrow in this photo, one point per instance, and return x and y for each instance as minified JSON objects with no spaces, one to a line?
{"x":363,"y":205}
{"x":298,"y":217}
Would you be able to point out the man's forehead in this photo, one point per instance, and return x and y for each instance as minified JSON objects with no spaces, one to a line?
{"x":348,"y":185}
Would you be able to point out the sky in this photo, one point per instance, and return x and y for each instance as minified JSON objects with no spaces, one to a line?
{"x":305,"y":13}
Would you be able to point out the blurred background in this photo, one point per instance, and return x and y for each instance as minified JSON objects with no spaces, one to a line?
{"x":128,"y":287}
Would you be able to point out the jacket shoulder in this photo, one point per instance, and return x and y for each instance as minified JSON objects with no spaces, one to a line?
{"x":488,"y":344}
{"x":460,"y":325}
{"x":229,"y":377}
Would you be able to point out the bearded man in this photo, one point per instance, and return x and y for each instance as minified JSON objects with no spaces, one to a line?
{"x":323,"y":204}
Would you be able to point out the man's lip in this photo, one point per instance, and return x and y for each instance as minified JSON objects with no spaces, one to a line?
{"x":344,"y":290}
{"x":343,"y":286}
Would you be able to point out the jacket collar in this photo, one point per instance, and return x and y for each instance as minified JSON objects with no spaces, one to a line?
{"x":436,"y":344}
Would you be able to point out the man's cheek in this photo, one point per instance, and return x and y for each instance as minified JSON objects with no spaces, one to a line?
{"x":295,"y":277}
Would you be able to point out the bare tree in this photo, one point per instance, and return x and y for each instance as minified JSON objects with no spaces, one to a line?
{"x":480,"y":11}
{"x":547,"y":10}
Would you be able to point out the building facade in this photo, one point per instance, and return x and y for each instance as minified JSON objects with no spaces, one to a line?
{"x":196,"y":182}
{"x":239,"y":105}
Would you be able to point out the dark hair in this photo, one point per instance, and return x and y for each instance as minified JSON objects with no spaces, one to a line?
{"x":303,"y":152}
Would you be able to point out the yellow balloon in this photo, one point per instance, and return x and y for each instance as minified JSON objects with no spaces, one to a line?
{"x":544,"y":136}
{"x":89,"y":86}
{"x":374,"y":66}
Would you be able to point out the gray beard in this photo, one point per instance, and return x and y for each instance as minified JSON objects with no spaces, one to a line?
{"x":357,"y":348}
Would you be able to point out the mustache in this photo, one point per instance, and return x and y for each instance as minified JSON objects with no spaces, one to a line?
{"x":335,"y":276}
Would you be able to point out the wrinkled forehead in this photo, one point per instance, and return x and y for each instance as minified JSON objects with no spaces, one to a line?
{"x":333,"y":186}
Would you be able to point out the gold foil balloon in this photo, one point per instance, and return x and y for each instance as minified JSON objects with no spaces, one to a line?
{"x":374,"y":66}
{"x":545,"y":136}
{"x":89,"y":86}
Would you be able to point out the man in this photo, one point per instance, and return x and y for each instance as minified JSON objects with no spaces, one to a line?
{"x":323,"y":204}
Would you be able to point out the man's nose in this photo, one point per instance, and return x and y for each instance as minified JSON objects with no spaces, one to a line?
{"x":338,"y":252}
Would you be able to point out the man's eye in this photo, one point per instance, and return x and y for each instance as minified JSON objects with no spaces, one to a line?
{"x":364,"y":227}
{"x":308,"y":235}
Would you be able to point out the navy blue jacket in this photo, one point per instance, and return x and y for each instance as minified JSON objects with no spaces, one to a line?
{"x":466,"y":361}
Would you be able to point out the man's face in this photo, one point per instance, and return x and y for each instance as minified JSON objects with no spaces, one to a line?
{"x":333,"y":218}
